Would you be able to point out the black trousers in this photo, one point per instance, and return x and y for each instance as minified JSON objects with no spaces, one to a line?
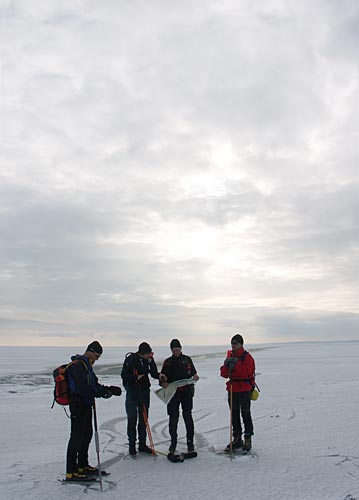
{"x":136,"y":399}
{"x":241,"y":407}
{"x":80,"y":437}
{"x":185,"y":399}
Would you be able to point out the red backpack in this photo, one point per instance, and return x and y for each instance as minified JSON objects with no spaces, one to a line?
{"x":61,"y":389}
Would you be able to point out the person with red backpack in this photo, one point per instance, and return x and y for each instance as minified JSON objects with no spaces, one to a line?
{"x":239,"y":367}
{"x":83,"y":388}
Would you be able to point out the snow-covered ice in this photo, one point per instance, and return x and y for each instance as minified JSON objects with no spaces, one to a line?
{"x":306,"y":443}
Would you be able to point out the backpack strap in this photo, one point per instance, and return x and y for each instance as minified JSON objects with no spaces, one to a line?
{"x":68,"y":373}
{"x":129,"y":359}
{"x":241,"y":358}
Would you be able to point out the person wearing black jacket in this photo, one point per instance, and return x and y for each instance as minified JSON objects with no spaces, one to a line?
{"x":83,"y":388}
{"x":135,"y":375}
{"x":179,"y":367}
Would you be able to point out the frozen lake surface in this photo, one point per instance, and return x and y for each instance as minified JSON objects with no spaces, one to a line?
{"x":306,"y":443}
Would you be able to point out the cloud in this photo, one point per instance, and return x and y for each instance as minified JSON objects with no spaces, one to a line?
{"x":177,"y":171}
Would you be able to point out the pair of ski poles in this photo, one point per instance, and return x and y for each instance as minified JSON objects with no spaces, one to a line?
{"x":97,"y":440}
{"x":145,"y":417}
{"x":148,"y":429}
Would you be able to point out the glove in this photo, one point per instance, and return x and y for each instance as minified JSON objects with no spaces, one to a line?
{"x":107,"y":393}
{"x":231,"y":362}
{"x":116,"y":391}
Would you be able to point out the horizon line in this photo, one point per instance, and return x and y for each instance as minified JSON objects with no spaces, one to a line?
{"x":195,"y":345}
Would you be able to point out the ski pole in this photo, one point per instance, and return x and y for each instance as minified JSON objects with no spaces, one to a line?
{"x":148,"y":428}
{"x":97,"y":442}
{"x":144,"y":415}
{"x":230,"y":417}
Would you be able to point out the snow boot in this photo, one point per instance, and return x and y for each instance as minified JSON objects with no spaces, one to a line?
{"x":88,"y":470}
{"x":175,"y":458}
{"x":144,"y":448}
{"x":74,"y":477}
{"x":92,"y":471}
{"x":173,"y":446}
{"x":132,"y":450}
{"x":190,"y":445}
{"x":237,"y":443}
{"x":247,"y":445}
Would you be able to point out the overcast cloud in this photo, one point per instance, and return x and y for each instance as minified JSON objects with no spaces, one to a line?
{"x":178,"y":169}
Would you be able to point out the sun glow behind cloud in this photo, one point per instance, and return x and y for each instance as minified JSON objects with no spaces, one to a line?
{"x":188,"y":170}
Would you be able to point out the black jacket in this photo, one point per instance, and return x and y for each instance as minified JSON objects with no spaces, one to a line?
{"x":178,"y":368}
{"x":135,"y":365}
{"x":83,"y":383}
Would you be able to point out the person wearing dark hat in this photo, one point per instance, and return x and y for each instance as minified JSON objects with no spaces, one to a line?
{"x":135,"y":375}
{"x":239,"y":367}
{"x":83,"y":388}
{"x":179,"y":367}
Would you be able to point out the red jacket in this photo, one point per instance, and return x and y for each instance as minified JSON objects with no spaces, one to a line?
{"x":243,"y":373}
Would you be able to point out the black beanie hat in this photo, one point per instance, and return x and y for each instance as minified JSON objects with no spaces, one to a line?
{"x":237,"y":339}
{"x":175,"y":343}
{"x":95,"y":347}
{"x":144,"y":348}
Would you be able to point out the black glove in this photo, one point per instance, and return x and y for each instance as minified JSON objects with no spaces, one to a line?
{"x":116,"y":391}
{"x":107,"y":393}
{"x":231,"y":362}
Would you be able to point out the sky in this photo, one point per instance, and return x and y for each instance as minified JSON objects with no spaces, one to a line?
{"x":178,"y":169}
